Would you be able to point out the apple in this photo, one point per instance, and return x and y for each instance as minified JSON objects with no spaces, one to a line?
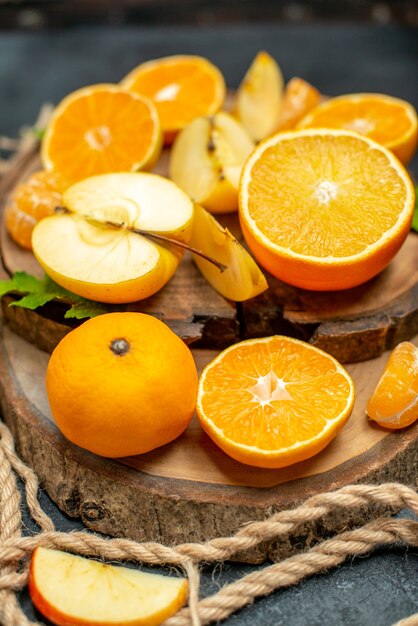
{"x":74,"y":591}
{"x":242,"y":279}
{"x":207,"y":158}
{"x":259,"y":97}
{"x":92,"y":250}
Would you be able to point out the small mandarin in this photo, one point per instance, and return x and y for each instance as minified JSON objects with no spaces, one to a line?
{"x":121,"y":384}
{"x":31,"y":201}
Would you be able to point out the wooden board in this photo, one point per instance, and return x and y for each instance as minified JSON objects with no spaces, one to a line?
{"x":190,"y":490}
{"x":353,"y":325}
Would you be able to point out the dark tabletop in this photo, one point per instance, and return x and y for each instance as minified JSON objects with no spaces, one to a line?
{"x":337,"y":58}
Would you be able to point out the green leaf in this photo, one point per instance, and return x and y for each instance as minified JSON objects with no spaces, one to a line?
{"x":33,"y":300}
{"x":37,"y":292}
{"x":415,"y":217}
{"x":38,"y":132}
{"x":21,"y":282}
{"x":86,"y":308}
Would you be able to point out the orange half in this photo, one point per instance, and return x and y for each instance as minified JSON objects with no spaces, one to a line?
{"x":389,"y":121}
{"x":274,"y":401}
{"x":182,"y":88}
{"x":99,"y":130}
{"x":324,"y":209}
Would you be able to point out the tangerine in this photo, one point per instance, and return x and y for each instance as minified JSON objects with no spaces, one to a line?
{"x":121,"y":384}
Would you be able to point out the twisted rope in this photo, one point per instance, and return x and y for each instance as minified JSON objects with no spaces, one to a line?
{"x":16,"y":550}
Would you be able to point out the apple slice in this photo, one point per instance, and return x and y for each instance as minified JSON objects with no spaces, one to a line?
{"x":242,"y":279}
{"x":259,"y":97}
{"x":207,"y":158}
{"x":72,"y":590}
{"x":84,"y":253}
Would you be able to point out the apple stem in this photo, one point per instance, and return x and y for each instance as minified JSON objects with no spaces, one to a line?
{"x":146,"y":233}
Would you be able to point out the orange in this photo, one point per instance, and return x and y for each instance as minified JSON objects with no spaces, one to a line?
{"x":31,"y":201}
{"x":394,"y":403}
{"x":274,"y":401}
{"x":121,"y":384}
{"x":389,"y":121}
{"x":182,"y":87}
{"x":101,"y":129}
{"x":324,"y":209}
{"x":298,"y":99}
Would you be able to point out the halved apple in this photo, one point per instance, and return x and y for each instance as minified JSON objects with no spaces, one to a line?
{"x":70,"y":589}
{"x":84,"y":253}
{"x":242,"y":279}
{"x":207,"y":158}
{"x":259,"y":97}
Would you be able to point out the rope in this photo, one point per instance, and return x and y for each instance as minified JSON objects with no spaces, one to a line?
{"x":16,"y":550}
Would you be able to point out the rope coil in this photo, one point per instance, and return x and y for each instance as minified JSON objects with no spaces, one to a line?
{"x":16,"y":550}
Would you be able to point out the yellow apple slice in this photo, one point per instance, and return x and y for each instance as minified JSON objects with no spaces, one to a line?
{"x":259,"y":97}
{"x":70,"y":589}
{"x":207,"y":158}
{"x":82,"y":252}
{"x":242,"y":279}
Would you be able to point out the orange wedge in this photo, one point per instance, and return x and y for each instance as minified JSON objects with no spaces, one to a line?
{"x":182,"y":88}
{"x":389,"y":121}
{"x":274,"y":401}
{"x":299,"y":98}
{"x":324,"y":209}
{"x":101,"y":129}
{"x":394,"y":403}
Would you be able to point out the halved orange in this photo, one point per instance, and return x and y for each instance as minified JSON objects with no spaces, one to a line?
{"x":324,"y":209}
{"x":299,"y":98}
{"x":182,"y":87}
{"x":32,"y":200}
{"x":274,"y":401}
{"x":389,"y":121}
{"x":99,"y":130}
{"x":394,"y":403}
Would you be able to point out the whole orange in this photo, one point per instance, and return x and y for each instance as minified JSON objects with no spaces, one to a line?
{"x":121,"y":384}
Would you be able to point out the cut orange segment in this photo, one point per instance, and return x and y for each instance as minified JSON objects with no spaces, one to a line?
{"x":324,"y":209}
{"x":182,"y":88}
{"x":394,"y":403}
{"x":71,"y":590}
{"x":259,"y":97}
{"x":101,"y":129}
{"x":274,"y":401}
{"x":389,"y":121}
{"x":298,"y":99}
{"x":31,"y":201}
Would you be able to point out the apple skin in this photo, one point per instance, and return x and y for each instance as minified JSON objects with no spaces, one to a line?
{"x":54,"y":615}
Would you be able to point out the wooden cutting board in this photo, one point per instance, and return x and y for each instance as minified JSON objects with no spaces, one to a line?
{"x":189,"y":489}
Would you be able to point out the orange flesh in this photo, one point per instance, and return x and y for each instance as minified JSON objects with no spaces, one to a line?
{"x":181,"y":91}
{"x":264,"y":395}
{"x":394,"y":403}
{"x":101,"y":131}
{"x":31,"y":201}
{"x":383,"y":121}
{"x":305,"y":197}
